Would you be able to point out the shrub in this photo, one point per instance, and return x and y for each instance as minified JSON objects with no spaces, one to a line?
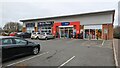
{"x":117,"y":32}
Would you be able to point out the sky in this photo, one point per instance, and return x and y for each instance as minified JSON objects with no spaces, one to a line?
{"x":16,"y":10}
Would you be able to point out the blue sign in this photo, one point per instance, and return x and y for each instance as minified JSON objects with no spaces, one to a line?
{"x":65,"y":23}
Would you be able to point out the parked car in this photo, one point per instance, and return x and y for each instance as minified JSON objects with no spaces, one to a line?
{"x":13,"y":34}
{"x":24,"y":35}
{"x":12,"y":47}
{"x":5,"y":34}
{"x":19,"y":33}
{"x":46,"y":36}
{"x":35,"y":35}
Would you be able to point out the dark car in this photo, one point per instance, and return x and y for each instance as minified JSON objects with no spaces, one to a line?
{"x":12,"y":47}
{"x":13,"y":34}
{"x":24,"y":35}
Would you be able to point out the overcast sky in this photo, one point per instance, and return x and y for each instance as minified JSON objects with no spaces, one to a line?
{"x":15,"y":10}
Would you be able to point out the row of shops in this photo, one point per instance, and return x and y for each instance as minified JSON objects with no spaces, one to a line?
{"x":94,"y":25}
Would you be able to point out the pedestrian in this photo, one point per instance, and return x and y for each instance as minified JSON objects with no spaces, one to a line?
{"x":71,"y":35}
{"x":74,"y":34}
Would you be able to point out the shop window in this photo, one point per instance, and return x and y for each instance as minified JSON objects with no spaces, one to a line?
{"x":87,"y":33}
{"x":42,"y":31}
{"x":30,"y":24}
{"x":30,"y":29}
{"x":46,"y":27}
{"x":49,"y":31}
{"x":92,"y":33}
{"x":49,"y":27}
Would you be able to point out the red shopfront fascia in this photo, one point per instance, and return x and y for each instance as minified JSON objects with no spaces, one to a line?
{"x":56,"y":25}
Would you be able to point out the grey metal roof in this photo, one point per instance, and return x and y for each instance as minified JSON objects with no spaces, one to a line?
{"x":108,"y":11}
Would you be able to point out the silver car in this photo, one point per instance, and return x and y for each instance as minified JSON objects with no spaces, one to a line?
{"x":46,"y":36}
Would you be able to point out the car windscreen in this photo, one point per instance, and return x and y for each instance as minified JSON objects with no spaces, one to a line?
{"x":34,"y":33}
{"x":38,"y":33}
{"x":42,"y":33}
{"x":49,"y":33}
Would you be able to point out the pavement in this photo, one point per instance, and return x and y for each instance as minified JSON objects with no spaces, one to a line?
{"x":68,"y":52}
{"x":116,"y":43}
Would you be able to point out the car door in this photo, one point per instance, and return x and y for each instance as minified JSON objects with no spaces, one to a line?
{"x":22,"y":43}
{"x":8,"y":48}
{"x":46,"y":34}
{"x":39,"y":34}
{"x":49,"y":35}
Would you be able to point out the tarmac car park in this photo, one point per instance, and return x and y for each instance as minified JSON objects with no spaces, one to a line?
{"x":68,"y":52}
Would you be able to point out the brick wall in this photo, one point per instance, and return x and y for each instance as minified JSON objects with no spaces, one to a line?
{"x":24,"y":29}
{"x":109,"y":28}
{"x":36,"y":29}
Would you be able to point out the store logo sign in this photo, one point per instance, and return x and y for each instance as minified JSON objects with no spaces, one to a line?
{"x":50,"y":23}
{"x":65,"y":23}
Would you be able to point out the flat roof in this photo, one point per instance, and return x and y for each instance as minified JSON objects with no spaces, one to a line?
{"x":107,"y":11}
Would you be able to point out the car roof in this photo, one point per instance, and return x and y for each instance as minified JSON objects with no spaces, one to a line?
{"x":8,"y":37}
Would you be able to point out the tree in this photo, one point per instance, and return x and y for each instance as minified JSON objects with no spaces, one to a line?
{"x":12,"y":27}
{"x":0,"y":30}
{"x":117,"y":32}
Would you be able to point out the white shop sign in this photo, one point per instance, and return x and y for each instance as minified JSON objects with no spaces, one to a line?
{"x":93,"y":27}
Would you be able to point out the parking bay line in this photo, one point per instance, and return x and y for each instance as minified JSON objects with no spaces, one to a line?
{"x":66,"y":62}
{"x":27,"y":59}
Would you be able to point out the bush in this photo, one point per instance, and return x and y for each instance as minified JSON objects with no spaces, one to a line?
{"x":117,"y":35}
{"x":117,"y":32}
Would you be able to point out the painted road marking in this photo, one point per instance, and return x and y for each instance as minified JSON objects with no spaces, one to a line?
{"x":27,"y":59}
{"x":66,"y":62}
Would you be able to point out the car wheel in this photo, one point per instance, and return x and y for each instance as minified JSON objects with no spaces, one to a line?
{"x":46,"y":38}
{"x":35,"y":50}
{"x":37,"y":37}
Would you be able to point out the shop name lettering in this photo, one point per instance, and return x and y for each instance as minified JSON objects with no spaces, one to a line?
{"x":45,"y":23}
{"x":65,"y":23}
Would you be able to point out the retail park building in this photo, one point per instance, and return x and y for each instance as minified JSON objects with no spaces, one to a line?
{"x":97,"y":24}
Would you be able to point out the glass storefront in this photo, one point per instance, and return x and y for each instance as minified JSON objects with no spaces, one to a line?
{"x":93,"y":32}
{"x":30,"y":27}
{"x":45,"y":26}
{"x":45,"y":29}
{"x":66,"y":32}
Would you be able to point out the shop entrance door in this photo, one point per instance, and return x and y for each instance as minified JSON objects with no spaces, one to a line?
{"x":66,"y":32}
